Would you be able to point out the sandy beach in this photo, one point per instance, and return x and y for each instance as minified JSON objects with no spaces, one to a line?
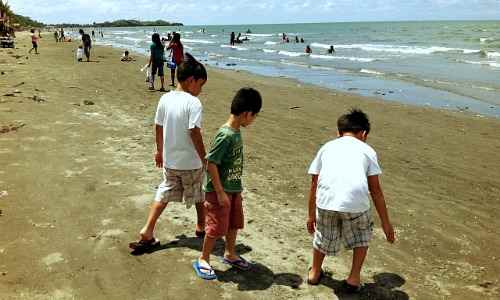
{"x":77,"y":176}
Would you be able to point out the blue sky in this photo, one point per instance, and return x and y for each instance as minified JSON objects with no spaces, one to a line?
{"x":209,"y":12}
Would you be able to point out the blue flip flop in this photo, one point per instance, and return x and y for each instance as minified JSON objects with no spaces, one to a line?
{"x":240,"y":263}
{"x":198,"y":269}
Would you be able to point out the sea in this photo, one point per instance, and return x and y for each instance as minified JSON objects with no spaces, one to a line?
{"x":443,"y":64}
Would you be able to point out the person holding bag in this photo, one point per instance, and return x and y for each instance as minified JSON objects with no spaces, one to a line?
{"x":177,"y":53}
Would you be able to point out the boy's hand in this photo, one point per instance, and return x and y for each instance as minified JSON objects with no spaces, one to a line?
{"x":223,"y":199}
{"x":311,"y":225}
{"x":389,"y":232}
{"x":159,"y":159}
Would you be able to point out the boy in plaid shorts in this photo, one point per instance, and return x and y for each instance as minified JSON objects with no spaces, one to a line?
{"x":180,"y":150}
{"x":343,"y":172}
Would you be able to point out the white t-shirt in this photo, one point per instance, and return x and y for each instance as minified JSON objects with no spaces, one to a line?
{"x":178,"y":112}
{"x":343,"y":166}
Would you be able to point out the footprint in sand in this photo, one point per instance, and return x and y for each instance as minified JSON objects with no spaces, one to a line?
{"x":53,"y":258}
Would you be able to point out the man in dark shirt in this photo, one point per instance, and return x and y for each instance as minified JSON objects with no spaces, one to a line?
{"x":87,"y":43}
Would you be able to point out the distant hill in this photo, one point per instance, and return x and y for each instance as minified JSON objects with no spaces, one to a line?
{"x":121,"y":23}
{"x":26,"y":22}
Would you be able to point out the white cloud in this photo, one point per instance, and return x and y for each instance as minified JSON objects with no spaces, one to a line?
{"x":255,"y":11}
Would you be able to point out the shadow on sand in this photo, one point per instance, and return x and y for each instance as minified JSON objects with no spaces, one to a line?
{"x":259,"y":277}
{"x":383,"y":287}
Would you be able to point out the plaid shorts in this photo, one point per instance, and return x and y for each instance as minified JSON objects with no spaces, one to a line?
{"x":334,"y":228}
{"x":181,"y":186}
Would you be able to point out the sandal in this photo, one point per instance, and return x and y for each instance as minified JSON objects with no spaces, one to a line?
{"x":162,"y":90}
{"x":239,"y":263}
{"x":310,"y":282}
{"x":209,"y":273}
{"x":144,"y":245}
{"x":349,"y":288}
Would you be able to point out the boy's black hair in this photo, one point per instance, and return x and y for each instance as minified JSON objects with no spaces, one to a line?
{"x":354,"y":121}
{"x":81,"y":31}
{"x":191,"y":67}
{"x":246,"y":100}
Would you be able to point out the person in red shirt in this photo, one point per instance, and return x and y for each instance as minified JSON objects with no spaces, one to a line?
{"x":177,"y":52}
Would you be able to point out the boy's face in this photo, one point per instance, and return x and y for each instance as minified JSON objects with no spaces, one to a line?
{"x":247,"y":118}
{"x":196,"y":86}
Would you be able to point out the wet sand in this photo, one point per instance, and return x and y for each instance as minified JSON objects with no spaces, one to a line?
{"x":79,"y":179}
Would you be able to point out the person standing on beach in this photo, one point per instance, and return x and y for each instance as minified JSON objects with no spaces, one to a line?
{"x":93,"y":35}
{"x":156,"y":62}
{"x":223,"y":186}
{"x":56,"y":36}
{"x":34,"y":41}
{"x":177,"y":52}
{"x":232,"y":39}
{"x":343,"y":172}
{"x":61,"y":35}
{"x":87,"y":43}
{"x":180,"y":151}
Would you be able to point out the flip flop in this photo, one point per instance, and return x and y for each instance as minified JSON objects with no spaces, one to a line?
{"x":349,"y":288}
{"x":310,"y":282}
{"x":200,"y":234}
{"x":240,"y":263}
{"x":144,"y":245}
{"x":207,"y":276}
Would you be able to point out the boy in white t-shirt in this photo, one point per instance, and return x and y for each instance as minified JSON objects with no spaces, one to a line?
{"x":180,"y":150}
{"x":344,"y":172}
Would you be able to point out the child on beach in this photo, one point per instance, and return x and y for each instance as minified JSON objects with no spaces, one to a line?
{"x":79,"y":53}
{"x":156,"y":61}
{"x":126,"y":57}
{"x":34,"y":41}
{"x":223,"y":185}
{"x":343,"y":172}
{"x":180,"y":150}
{"x":177,"y":50}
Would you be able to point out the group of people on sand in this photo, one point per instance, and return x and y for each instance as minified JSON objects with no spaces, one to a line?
{"x":157,"y":58}
{"x":344,"y":173}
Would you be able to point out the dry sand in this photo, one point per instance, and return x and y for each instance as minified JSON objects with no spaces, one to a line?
{"x":79,"y":179}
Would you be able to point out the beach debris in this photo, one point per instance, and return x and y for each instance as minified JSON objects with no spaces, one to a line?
{"x":19,"y":84}
{"x":1,"y":213}
{"x":43,"y":225}
{"x":38,"y":99}
{"x":9,"y":95}
{"x":4,"y":273}
{"x":378,"y":92}
{"x":17,"y":56}
{"x":294,"y":107}
{"x":11,"y":127}
{"x":486,"y":284}
{"x":16,"y":91}
{"x":3,"y":73}
{"x":88,"y":102}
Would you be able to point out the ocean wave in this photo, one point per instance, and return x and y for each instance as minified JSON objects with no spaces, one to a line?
{"x":319,"y":45}
{"x":492,"y":54}
{"x":359,"y":59}
{"x":269,"y":50}
{"x":135,"y":40}
{"x":368,"y":71}
{"x":120,"y":32}
{"x":260,"y":34}
{"x":234,"y":47}
{"x":193,"y":41}
{"x":482,"y":63}
{"x":399,"y":49}
{"x":292,"y":54}
{"x":270,"y":43}
{"x":487,"y":40}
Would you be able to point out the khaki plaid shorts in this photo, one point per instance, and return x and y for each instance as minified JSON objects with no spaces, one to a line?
{"x":181,"y":186}
{"x":334,"y":229}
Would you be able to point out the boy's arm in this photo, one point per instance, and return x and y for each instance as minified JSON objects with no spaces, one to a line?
{"x":159,"y":146}
{"x":379,"y":201}
{"x":219,"y":189}
{"x":311,"y":219}
{"x":197,"y":139}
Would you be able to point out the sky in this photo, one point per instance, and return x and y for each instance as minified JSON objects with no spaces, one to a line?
{"x":215,"y":12}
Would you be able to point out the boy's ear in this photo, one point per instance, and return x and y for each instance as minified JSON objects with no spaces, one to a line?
{"x":364,"y":135}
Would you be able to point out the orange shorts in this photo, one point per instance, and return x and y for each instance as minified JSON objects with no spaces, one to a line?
{"x":220,"y":219}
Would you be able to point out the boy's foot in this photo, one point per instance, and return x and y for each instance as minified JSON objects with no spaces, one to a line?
{"x":239,"y":263}
{"x":151,"y":88}
{"x":350,"y":288}
{"x":162,"y":90}
{"x":172,"y":84}
{"x":311,"y":280}
{"x":144,"y":245}
{"x":204,"y":270}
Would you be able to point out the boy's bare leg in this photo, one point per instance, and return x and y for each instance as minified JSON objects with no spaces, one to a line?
{"x":358,"y":258}
{"x":200,"y":214}
{"x":162,"y":79}
{"x":154,"y":213}
{"x":172,"y":76}
{"x":230,"y":252}
{"x":317,"y":263}
{"x":208,"y":246}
